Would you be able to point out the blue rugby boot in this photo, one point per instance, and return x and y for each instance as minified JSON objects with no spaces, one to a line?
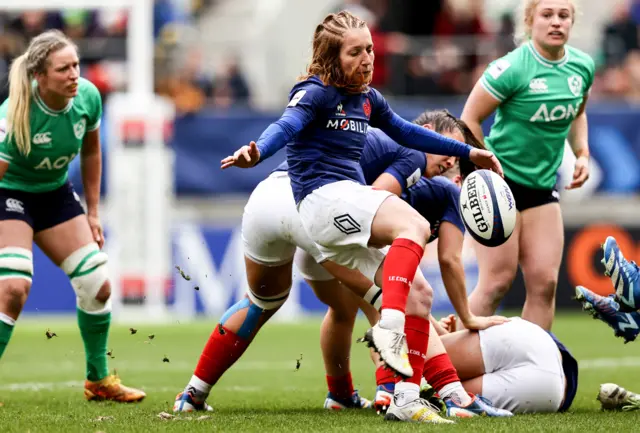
{"x":479,"y":406}
{"x":607,"y":310}
{"x":355,"y":402}
{"x":624,"y":275}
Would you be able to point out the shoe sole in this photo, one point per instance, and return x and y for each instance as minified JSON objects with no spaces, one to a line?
{"x":90,"y":396}
{"x":368,"y":338}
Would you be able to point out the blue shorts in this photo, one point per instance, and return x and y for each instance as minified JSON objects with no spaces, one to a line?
{"x":41,"y":210}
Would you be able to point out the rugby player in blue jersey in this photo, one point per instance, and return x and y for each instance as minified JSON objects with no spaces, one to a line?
{"x":272,"y":230}
{"x":324,"y":128}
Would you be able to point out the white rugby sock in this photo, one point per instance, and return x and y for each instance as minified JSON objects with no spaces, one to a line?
{"x":392,"y":319}
{"x":456,"y":392}
{"x":198,"y":388}
{"x":405,"y":392}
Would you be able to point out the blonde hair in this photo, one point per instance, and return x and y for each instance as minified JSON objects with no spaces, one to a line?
{"x":327,"y":42}
{"x":22,"y":72}
{"x":527,"y":12}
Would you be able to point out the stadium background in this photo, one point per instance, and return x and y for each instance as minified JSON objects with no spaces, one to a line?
{"x":227,"y":66}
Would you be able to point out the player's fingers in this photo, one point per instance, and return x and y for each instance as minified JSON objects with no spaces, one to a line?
{"x":245,"y":153}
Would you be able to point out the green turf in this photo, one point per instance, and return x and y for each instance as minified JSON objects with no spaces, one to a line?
{"x":41,"y":383}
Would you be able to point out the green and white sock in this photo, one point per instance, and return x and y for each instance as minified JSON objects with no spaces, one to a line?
{"x":6,"y":329}
{"x":94,"y":329}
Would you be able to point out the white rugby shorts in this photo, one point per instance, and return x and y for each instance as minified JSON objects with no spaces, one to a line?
{"x":523,"y":368}
{"x":271,"y":225}
{"x":338,"y":217}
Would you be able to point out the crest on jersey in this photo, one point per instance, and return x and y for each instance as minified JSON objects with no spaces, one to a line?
{"x":575,"y":84}
{"x":79,"y":128}
{"x":366,"y":107}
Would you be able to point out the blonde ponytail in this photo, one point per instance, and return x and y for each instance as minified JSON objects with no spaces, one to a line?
{"x":18,"y":113}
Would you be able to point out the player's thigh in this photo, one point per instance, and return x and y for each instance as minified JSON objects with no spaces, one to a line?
{"x":60,"y":241}
{"x":465,"y":352}
{"x":396,"y":217}
{"x":60,"y":225}
{"x":270,"y":223}
{"x":541,"y":243}
{"x":497,"y":266}
{"x":16,"y":219}
{"x":339,"y":216}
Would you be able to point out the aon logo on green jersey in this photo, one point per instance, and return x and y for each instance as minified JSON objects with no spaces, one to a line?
{"x":559,"y":112}
{"x":56,"y":164}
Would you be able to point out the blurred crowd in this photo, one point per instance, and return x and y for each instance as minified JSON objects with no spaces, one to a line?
{"x":423,"y":48}
{"x":619,"y":74}
{"x":101,"y":38}
{"x":435,"y":47}
{"x":440,"y":47}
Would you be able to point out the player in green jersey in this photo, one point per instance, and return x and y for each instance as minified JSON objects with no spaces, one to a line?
{"x":51,"y":116}
{"x":539,"y":92}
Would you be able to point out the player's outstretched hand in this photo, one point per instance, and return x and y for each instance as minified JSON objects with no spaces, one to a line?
{"x":486,"y":159}
{"x":478,"y":323}
{"x":245,"y":157}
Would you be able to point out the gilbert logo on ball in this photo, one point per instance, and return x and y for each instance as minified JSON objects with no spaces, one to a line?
{"x":488,"y":208}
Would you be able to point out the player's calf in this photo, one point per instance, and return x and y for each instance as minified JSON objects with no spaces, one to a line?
{"x":16,"y":271}
{"x":229,"y":340}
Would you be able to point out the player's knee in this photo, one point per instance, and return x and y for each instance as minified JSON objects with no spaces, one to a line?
{"x":420,"y":298}
{"x":542,"y":286}
{"x":499,"y":284}
{"x":15,"y":292}
{"x":88,"y":273}
{"x":104,"y":294}
{"x":416,"y":228}
{"x":268,"y":302}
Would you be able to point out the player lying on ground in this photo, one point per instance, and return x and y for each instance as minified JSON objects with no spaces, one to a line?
{"x":518,"y":365}
{"x":539,"y":92}
{"x":324,"y":128}
{"x":52,"y":115}
{"x":272,"y":230}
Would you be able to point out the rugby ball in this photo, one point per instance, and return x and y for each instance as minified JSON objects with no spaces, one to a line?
{"x":488,"y":208}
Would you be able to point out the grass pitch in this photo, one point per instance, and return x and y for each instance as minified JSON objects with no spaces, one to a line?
{"x":41,"y":382}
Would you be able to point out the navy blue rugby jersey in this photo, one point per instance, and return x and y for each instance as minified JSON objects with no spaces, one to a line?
{"x":325,"y":130}
{"x":383,"y":155}
{"x":437,"y":200}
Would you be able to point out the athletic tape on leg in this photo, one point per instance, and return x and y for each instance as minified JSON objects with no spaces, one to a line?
{"x":87,"y":271}
{"x":16,"y":262}
{"x":374,"y":297}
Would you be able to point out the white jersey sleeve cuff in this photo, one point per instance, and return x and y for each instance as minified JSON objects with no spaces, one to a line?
{"x":94,"y":126}
{"x":491,"y":90}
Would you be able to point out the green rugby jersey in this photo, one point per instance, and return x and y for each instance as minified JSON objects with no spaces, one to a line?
{"x":539,"y":101}
{"x":56,"y":138}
